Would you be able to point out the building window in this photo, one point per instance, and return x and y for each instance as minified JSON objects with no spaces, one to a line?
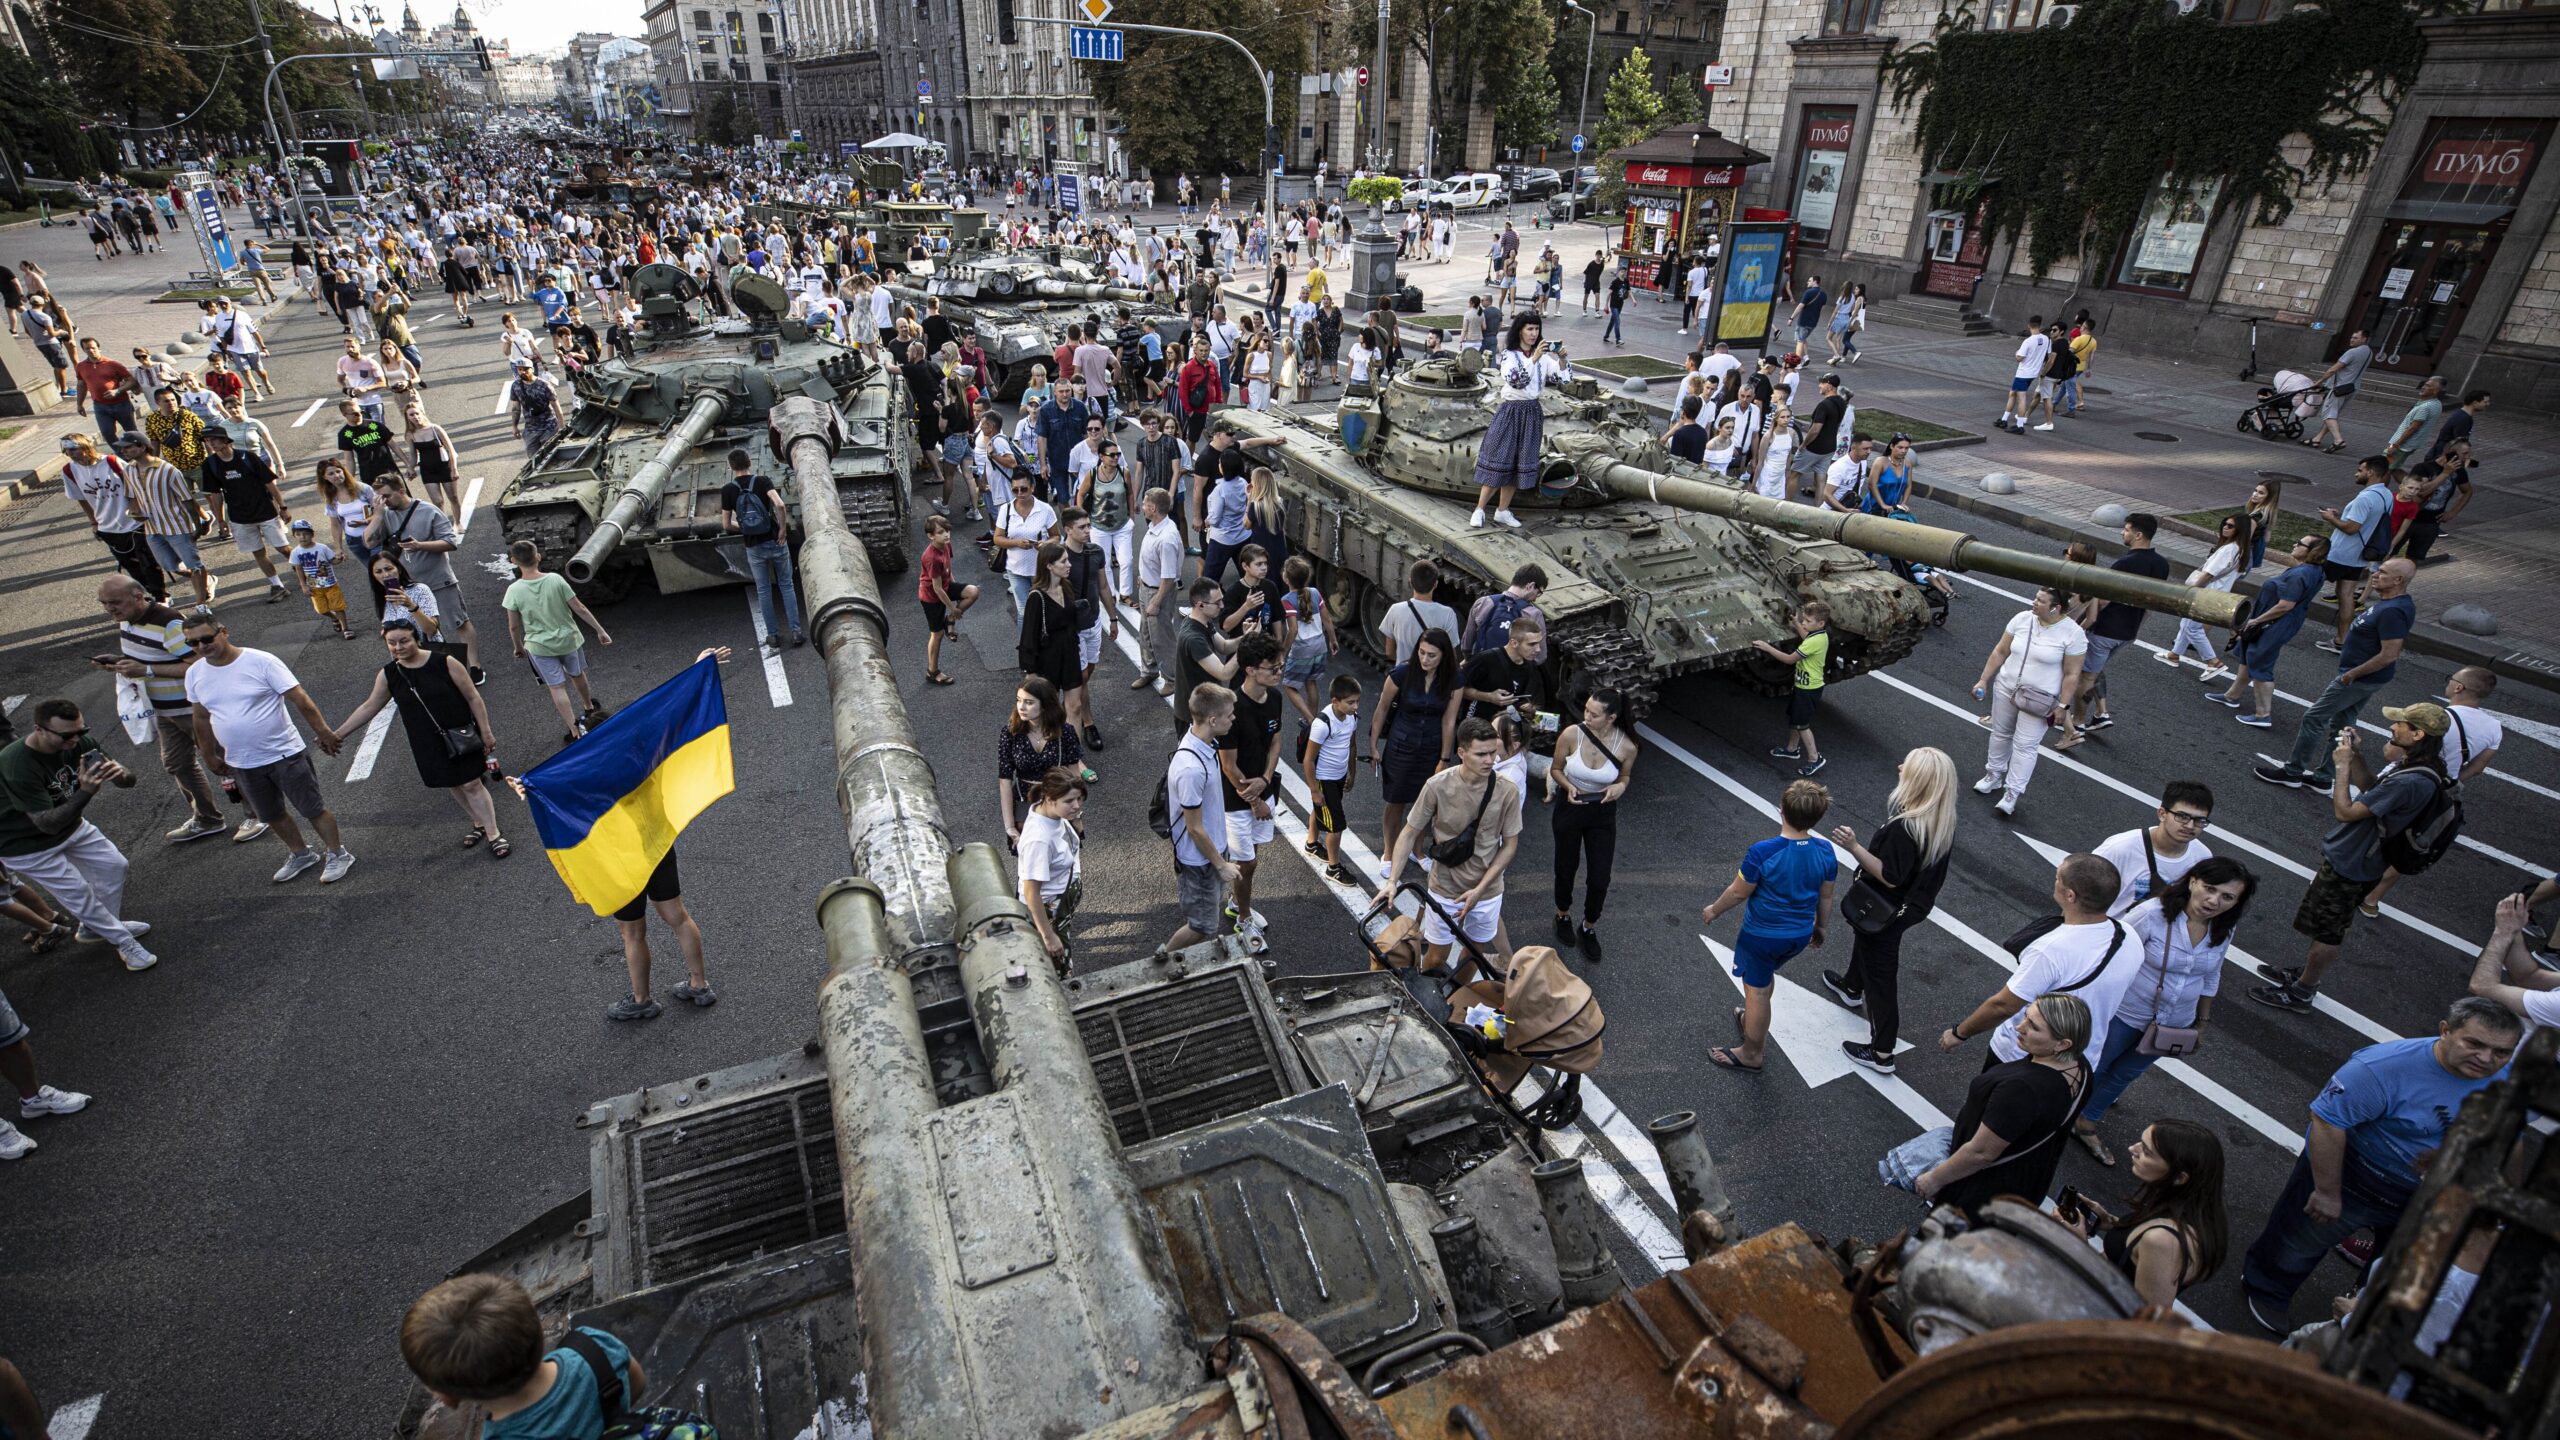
{"x":1822,"y":168}
{"x":701,"y":19}
{"x":2160,"y":256}
{"x":1621,"y":26}
{"x":1849,"y":17}
{"x":2012,"y":14}
{"x":764,"y":22}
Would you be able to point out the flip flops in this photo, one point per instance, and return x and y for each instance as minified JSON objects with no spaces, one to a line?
{"x":1724,"y":1057}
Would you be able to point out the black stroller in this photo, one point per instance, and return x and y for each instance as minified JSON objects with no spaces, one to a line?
{"x":2283,"y":405}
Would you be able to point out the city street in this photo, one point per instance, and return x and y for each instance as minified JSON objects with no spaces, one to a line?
{"x":325,"y":1099}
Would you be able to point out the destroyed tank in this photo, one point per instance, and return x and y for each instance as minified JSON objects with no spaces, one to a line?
{"x":631,"y":485}
{"x":1167,"y":1197}
{"x":1656,"y":568}
{"x":1019,"y":306}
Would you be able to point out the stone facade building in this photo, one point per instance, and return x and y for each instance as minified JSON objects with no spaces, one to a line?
{"x":702,"y":47}
{"x":2444,"y":249}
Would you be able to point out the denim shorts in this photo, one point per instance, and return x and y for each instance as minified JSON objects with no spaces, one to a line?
{"x":12,"y":1029}
{"x":175,"y":552}
{"x":2101,"y":650}
{"x":1203,"y":896}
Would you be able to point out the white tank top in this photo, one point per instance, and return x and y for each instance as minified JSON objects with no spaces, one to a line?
{"x":1584,"y":779}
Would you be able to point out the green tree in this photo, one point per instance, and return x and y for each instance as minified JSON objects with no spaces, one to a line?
{"x":41,"y":125}
{"x":715,"y":118}
{"x":107,"y":53}
{"x":1194,"y":105}
{"x":1631,"y":108}
{"x":1520,"y":87}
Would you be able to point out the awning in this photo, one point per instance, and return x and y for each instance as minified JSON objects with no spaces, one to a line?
{"x":896,"y":140}
{"x":2448,"y":212}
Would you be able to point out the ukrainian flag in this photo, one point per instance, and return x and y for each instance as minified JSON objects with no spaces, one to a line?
{"x":609,"y":808}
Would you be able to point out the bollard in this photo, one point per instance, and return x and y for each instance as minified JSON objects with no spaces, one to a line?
{"x":1697,"y":1191}
{"x":1480,"y":1309}
{"x":1583,"y":1260}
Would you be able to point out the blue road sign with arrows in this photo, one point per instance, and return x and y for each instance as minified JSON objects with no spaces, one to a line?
{"x":1093,"y":42}
{"x":1577,"y":144}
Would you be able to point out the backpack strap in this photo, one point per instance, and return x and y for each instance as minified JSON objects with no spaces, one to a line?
{"x":608,"y":1376}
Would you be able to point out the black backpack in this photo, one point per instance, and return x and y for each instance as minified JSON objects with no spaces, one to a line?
{"x":1160,"y":805}
{"x":2432,"y":831}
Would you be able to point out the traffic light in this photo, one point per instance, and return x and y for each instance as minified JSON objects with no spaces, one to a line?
{"x":1004,"y":22}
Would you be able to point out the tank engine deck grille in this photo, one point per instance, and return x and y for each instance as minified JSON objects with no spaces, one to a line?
{"x":1169,"y":1059}
{"x":724,"y":1185}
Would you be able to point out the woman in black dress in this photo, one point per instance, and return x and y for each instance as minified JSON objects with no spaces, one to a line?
{"x":2008,"y":1136}
{"x":436,"y":700}
{"x":1410,"y":736}
{"x":1047,"y":644}
{"x":1905,"y":864}
{"x":1036,"y":740}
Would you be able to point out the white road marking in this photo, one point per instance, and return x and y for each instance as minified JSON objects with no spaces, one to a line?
{"x":14,"y":702}
{"x":470,"y":502}
{"x":2246,"y":963}
{"x":1617,"y":1136}
{"x":73,"y":1421}
{"x":1810,"y":1029}
{"x":777,"y":685}
{"x":2547,"y":734}
{"x":369,"y":749}
{"x":308,"y":411}
{"x":1983,"y":945}
{"x":501,"y":407}
{"x":2235,"y":839}
{"x":500,"y":566}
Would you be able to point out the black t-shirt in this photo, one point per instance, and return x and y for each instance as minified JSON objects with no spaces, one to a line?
{"x":1824,"y":425}
{"x":938,"y":332}
{"x":370,"y":442}
{"x":2436,"y":503}
{"x":1906,"y":881}
{"x":2119,"y":621}
{"x":1689,"y":443}
{"x":2023,"y":1103}
{"x":242,"y":483}
{"x":1496,"y":670}
{"x":2456,"y":426}
{"x":1192,"y":646}
{"x":2065,"y":363}
{"x":1215,"y":463}
{"x":729,"y":494}
{"x":1260,"y":600}
{"x":1255,"y":731}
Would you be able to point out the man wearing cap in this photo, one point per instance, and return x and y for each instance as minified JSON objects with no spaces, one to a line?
{"x":2369,"y":808}
{"x":535,"y":406}
{"x":247,"y":485}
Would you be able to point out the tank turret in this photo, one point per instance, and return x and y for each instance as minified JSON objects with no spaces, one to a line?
{"x":1018,"y":308}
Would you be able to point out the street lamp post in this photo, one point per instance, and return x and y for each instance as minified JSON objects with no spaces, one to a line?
{"x":1431,"y":103}
{"x":1270,"y":217}
{"x":1582,"y":112}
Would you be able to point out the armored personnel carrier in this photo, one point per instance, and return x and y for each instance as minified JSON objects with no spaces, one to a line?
{"x":631,"y":485}
{"x":1656,"y":568}
{"x":1168,"y":1198}
{"x":1019,"y":306}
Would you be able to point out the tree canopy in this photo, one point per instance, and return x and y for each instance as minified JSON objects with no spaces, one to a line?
{"x":1193,"y":105}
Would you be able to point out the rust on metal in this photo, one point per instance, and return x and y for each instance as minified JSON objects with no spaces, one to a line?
{"x":1727,"y":1398}
{"x":1772,"y":1356}
{"x":2433,"y":1239}
{"x":1298,"y":1370}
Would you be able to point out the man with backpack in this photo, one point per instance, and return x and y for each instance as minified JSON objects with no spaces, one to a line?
{"x":750,"y":506}
{"x":1489,"y":620}
{"x":2367,"y":662}
{"x":2404,"y":818}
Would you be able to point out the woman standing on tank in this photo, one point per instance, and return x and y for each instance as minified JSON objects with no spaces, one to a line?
{"x":1904,"y":865}
{"x":1409,"y":735}
{"x":1594,"y":761}
{"x":1508,"y":463}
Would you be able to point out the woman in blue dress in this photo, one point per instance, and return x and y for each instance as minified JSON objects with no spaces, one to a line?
{"x":1409,"y":731}
{"x":1508,"y":463}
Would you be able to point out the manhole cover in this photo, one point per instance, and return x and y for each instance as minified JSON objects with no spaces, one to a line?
{"x":2162,"y":436}
{"x":2284,"y":477}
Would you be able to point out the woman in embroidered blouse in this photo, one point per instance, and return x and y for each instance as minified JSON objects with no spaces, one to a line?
{"x":1509,"y":459}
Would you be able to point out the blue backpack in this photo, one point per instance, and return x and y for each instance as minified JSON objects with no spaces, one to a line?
{"x":1495,"y":632}
{"x":755,"y":514}
{"x":655,"y":1422}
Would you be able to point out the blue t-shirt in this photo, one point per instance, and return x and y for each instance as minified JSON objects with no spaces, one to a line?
{"x":571,"y":1410}
{"x":555,"y":306}
{"x":2395,"y":1102}
{"x":1151,"y":343}
{"x":2382,"y":620}
{"x":1789,"y":875}
{"x":2370,"y":506}
{"x":1061,"y":430}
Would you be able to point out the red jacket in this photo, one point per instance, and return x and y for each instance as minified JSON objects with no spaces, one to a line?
{"x":1199,"y":386}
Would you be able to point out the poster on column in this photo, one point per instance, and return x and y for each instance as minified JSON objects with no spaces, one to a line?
{"x":1752,"y":265}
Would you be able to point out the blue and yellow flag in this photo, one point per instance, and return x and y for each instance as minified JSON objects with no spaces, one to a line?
{"x":609,"y":808}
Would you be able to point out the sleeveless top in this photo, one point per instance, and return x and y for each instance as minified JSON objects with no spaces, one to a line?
{"x":1584,"y":780}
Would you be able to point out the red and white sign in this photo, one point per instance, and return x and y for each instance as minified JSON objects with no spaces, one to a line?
{"x":1693,"y":176}
{"x":1829,"y":134}
{"x":2479,"y":162}
{"x":1364,"y":77}
{"x":1712,"y":76}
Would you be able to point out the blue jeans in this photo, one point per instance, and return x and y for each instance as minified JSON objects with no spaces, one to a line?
{"x":2118,"y":1066}
{"x":770,"y":564}
{"x":2066,"y":393}
{"x":1021,"y":587}
{"x":2317,"y":740}
{"x":114,"y":415}
{"x":2293,"y":1244}
{"x":1610,"y":336}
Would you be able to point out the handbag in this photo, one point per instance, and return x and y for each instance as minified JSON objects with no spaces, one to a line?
{"x":459,"y":741}
{"x":1461,"y":848}
{"x":2159,"y":1039}
{"x":1866,"y":909}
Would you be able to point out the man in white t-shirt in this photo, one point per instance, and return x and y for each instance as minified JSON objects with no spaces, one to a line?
{"x":1846,"y":479}
{"x":1196,"y":805}
{"x":1693,"y":294}
{"x":2035,"y":351}
{"x":1408,"y":619}
{"x":1718,"y":363}
{"x":2088,"y":955}
{"x":243,"y":729}
{"x":1159,"y":575}
{"x":2152,"y":858}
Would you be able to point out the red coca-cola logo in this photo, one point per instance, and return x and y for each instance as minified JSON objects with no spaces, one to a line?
{"x":2479,"y":162}
{"x":1655,"y":174}
{"x":1828,"y":134}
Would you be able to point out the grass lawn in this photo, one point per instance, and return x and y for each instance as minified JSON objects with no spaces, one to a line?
{"x":1629,"y":366}
{"x":1881,"y":423}
{"x":2290,"y":526}
{"x":12,"y":432}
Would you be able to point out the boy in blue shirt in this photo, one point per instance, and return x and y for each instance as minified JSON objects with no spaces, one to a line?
{"x":2275,"y":617}
{"x":478,"y":1338}
{"x":1784,"y":888}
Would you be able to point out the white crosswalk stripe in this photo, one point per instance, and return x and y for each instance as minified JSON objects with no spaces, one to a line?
{"x":369,"y":749}
{"x":308,"y":411}
{"x":777,"y":685}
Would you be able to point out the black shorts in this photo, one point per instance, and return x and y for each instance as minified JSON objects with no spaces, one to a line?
{"x":663,"y":886}
{"x":937,"y":617}
{"x":1328,"y":816}
{"x":2337,"y":572}
{"x":1800,"y":707}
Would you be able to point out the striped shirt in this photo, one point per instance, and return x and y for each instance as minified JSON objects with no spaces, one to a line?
{"x":158,"y":637}
{"x":167,"y":498}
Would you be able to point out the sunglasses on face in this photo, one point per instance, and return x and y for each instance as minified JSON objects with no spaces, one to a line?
{"x":66,"y":734}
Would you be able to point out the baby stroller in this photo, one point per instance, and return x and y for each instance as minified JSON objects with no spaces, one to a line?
{"x":1550,"y":1022}
{"x":2283,"y":405}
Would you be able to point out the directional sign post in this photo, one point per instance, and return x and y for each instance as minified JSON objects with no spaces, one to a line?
{"x":1577,"y":144}
{"x":1089,"y":42}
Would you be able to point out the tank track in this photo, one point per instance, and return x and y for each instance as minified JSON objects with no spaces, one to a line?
{"x":872,"y":511}
{"x":1598,"y":653}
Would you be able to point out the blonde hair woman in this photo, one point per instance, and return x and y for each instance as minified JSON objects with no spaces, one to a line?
{"x":1257,"y":369}
{"x":1777,"y":448}
{"x":2036,"y":1096}
{"x":1899,"y":872}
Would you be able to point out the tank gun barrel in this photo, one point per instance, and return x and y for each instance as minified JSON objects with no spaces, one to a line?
{"x":1085,"y":290}
{"x":640,"y":492}
{"x":1926,"y":544}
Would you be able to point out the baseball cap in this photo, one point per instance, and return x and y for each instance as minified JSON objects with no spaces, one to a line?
{"x":2424,"y":718}
{"x":300,"y":526}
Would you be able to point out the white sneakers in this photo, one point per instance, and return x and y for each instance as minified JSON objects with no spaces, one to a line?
{"x":252,"y":829}
{"x":2006,"y":805}
{"x":195,"y":829}
{"x":137,"y":958}
{"x":1476,"y":521}
{"x":14,"y":1144}
{"x":1507,"y":518}
{"x":1985,"y":785}
{"x":339,"y":863}
{"x":296,"y":863}
{"x":49,"y":1101}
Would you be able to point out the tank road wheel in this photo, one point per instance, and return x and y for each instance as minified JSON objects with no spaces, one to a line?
{"x":1367,"y":605}
{"x":610,"y":585}
{"x":1597,"y":653}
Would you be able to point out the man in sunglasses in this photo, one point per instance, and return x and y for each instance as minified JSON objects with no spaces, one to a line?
{"x":47,"y":779}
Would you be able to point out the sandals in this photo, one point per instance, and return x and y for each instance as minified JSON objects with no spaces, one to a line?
{"x":936,"y":677}
{"x":475,"y":837}
{"x":500,"y":848}
{"x":1724,"y":1057}
{"x":2097,"y":1147}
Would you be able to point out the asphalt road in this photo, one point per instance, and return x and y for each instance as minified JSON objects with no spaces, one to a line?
{"x":323,"y":1099}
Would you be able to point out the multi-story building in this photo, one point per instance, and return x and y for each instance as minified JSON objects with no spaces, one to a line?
{"x":582,"y":75}
{"x":1028,"y":103}
{"x":2444,"y":249}
{"x":731,"y":47}
{"x":925,"y":84}
{"x":631,"y":93}
{"x":835,"y":64}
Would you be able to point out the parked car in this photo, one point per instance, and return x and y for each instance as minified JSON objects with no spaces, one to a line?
{"x":1533,"y":182}
{"x":1583,"y":199}
{"x":1474,"y":191}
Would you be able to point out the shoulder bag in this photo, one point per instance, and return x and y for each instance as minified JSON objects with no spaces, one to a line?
{"x":460,"y":741}
{"x":1461,"y":848}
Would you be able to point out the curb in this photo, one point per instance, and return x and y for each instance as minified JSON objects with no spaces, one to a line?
{"x":23,"y":483}
{"x":2426,"y":639}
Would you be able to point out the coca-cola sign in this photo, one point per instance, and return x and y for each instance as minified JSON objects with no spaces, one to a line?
{"x":1705,"y":177}
{"x":1654,"y":174}
{"x":2503,"y":163}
